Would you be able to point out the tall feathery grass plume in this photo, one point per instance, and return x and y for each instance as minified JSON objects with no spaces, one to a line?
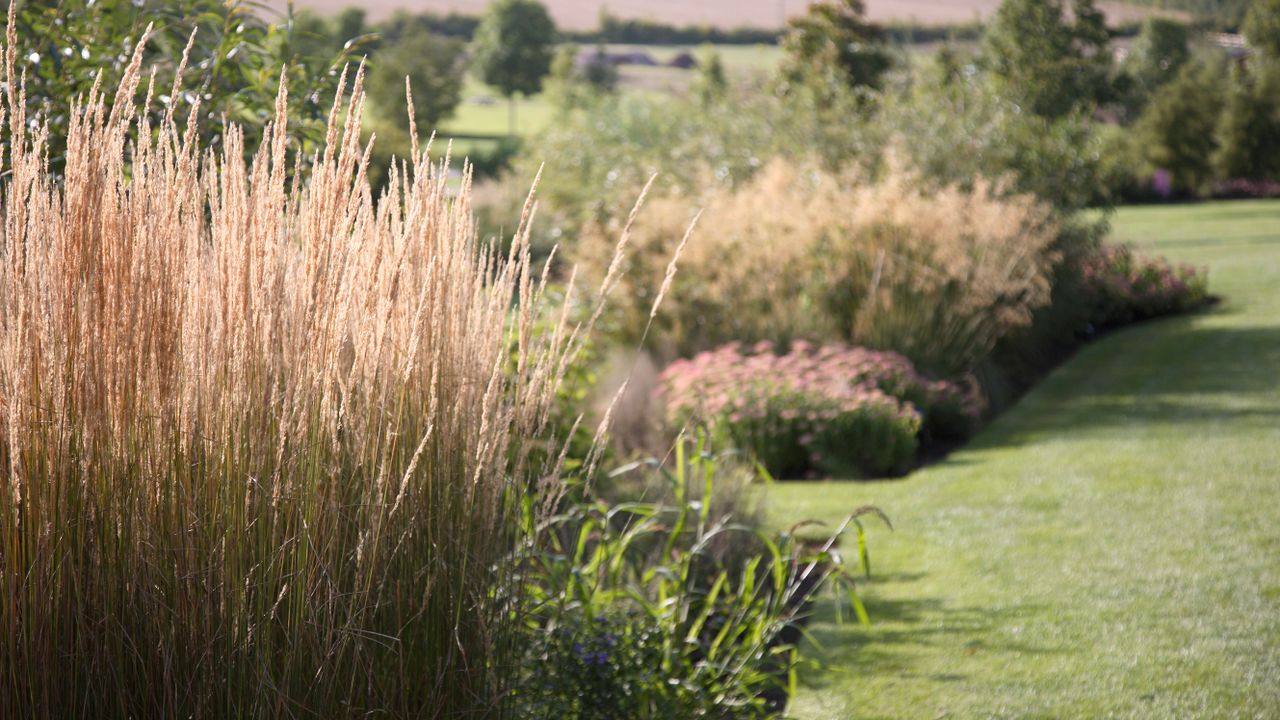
{"x":264,"y":443}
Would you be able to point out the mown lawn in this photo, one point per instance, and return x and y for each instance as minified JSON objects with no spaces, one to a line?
{"x":1110,"y":547}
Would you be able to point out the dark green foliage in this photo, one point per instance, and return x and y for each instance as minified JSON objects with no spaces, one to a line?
{"x":632,"y":31}
{"x":428,"y":49}
{"x":319,"y":36}
{"x":1249,"y":133}
{"x":513,"y":46}
{"x":834,"y":43}
{"x":711,"y":83}
{"x":1048,"y":65}
{"x":956,"y":127}
{"x":598,"y":669}
{"x":600,"y":74}
{"x":1262,"y":27}
{"x":1096,"y":287}
{"x":676,"y":608}
{"x":452,"y":25}
{"x":234,"y":67}
{"x":1178,"y":130}
{"x":908,"y":32}
{"x":563,"y":85}
{"x":1155,"y":58}
{"x":434,"y":66}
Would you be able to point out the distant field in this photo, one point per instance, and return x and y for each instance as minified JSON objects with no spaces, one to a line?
{"x":585,"y":14}
{"x":483,"y":112}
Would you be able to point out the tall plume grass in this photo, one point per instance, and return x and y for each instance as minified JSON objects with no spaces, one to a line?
{"x":263,"y":442}
{"x":938,"y":274}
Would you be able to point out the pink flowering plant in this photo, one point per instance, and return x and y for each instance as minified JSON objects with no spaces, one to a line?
{"x":1126,"y":286}
{"x":831,"y":409}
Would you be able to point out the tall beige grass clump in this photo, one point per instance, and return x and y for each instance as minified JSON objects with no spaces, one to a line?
{"x":747,"y":276}
{"x":262,"y":442}
{"x":938,"y":274}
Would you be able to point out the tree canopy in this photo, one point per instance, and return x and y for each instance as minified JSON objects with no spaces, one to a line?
{"x":834,"y":38}
{"x":434,"y":66}
{"x":1043,"y":61}
{"x":1262,"y":27}
{"x":514,"y":45}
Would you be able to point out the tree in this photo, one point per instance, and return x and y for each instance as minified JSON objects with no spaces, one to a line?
{"x":562,"y":81}
{"x":1178,"y":129}
{"x":1249,"y":135}
{"x":434,"y":66}
{"x":711,"y":82}
{"x":834,"y":42}
{"x":513,"y":48}
{"x":350,"y":23}
{"x":1262,"y":27}
{"x":575,"y":79}
{"x":1158,"y":53}
{"x":1045,"y":63}
{"x":954,"y":127}
{"x":600,"y":74}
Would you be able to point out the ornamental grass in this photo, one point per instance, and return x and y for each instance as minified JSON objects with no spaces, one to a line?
{"x":264,"y":442}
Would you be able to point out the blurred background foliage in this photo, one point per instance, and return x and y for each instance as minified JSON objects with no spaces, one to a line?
{"x":234,"y":68}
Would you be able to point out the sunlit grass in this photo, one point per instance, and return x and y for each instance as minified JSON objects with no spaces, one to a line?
{"x":1108,"y":547}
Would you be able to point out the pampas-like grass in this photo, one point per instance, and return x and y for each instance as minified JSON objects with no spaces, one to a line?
{"x":939,"y":274}
{"x":263,"y":442}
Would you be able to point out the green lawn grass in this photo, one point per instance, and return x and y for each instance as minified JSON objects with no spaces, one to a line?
{"x":1110,"y":546}
{"x":483,"y":111}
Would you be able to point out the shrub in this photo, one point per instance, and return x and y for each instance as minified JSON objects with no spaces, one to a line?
{"x":738,"y":281}
{"x":937,"y":274}
{"x":1249,"y":129}
{"x":1155,"y":57}
{"x":1177,"y":130}
{"x":595,"y":159}
{"x":838,"y":409}
{"x":637,"y":610}
{"x":1246,"y":189}
{"x":261,"y":445}
{"x":1124,"y":287}
{"x":1049,"y":64}
{"x":833,"y":43}
{"x":953,"y":124}
{"x":1022,"y":357}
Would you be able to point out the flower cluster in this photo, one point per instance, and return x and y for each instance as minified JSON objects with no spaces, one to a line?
{"x":1244,"y":188}
{"x":594,"y":650}
{"x":601,"y":668}
{"x":833,"y":408}
{"x":1125,"y":286}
